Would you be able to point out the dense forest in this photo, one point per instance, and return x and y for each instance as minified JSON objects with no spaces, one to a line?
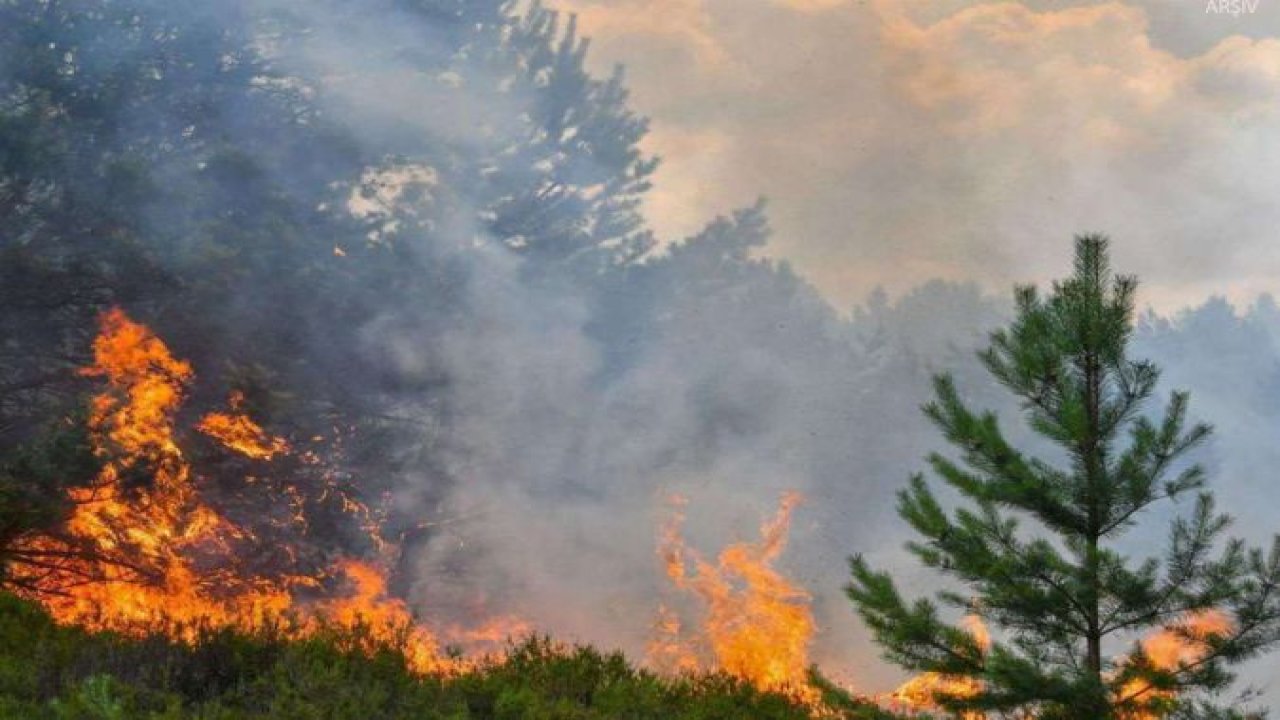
{"x":405,"y":236}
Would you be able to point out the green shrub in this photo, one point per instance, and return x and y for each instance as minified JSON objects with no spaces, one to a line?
{"x":60,"y":673}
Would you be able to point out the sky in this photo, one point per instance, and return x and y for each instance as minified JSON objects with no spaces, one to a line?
{"x":903,"y":140}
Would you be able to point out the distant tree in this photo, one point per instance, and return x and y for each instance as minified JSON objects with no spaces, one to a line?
{"x":1037,"y":545}
{"x":563,"y":185}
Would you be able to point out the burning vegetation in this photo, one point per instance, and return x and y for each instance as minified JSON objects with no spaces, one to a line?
{"x":416,"y":366}
{"x":142,"y":547}
{"x":928,"y":691}
{"x":142,"y":550}
{"x":238,"y":432}
{"x":756,"y":624}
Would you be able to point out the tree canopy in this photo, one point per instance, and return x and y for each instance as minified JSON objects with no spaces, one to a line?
{"x":1037,"y":544}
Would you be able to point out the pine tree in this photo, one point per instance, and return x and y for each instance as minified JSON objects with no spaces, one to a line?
{"x":566,"y":186}
{"x":1067,"y":607}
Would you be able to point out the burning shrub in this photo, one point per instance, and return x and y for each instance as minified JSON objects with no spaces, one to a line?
{"x":47,"y":670}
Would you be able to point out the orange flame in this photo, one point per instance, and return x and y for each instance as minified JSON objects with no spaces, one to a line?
{"x":1169,"y":649}
{"x":385,"y":617}
{"x":923,"y":691}
{"x":492,"y":636}
{"x":758,"y":624}
{"x":667,"y":650}
{"x":144,"y":520}
{"x":237,"y":431}
{"x":142,"y":514}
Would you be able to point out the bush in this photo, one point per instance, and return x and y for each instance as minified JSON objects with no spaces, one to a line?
{"x":62,"y":673}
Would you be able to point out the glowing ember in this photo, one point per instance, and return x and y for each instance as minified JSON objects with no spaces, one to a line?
{"x":758,"y":624}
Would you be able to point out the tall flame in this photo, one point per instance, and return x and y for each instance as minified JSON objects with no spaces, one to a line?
{"x":145,"y":523}
{"x":757,"y":625}
{"x":142,"y":517}
{"x":383,"y":615}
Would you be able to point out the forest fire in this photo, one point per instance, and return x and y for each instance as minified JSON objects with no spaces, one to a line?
{"x":141,"y":547}
{"x":415,"y":331}
{"x":138,"y":541}
{"x":758,"y":624}
{"x":152,"y":537}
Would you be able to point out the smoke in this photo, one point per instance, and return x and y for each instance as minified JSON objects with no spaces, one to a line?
{"x":543,"y":408}
{"x":904,"y":141}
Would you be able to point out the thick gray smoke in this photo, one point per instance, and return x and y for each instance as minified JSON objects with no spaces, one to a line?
{"x":575,"y":412}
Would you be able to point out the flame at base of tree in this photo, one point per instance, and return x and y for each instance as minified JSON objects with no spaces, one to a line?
{"x":924,"y":691}
{"x":757,"y":624}
{"x":1168,"y":649}
{"x":1178,"y":646}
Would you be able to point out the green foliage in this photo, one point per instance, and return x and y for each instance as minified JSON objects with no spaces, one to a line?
{"x":65,"y":673}
{"x":1067,"y":602}
{"x":162,"y":156}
